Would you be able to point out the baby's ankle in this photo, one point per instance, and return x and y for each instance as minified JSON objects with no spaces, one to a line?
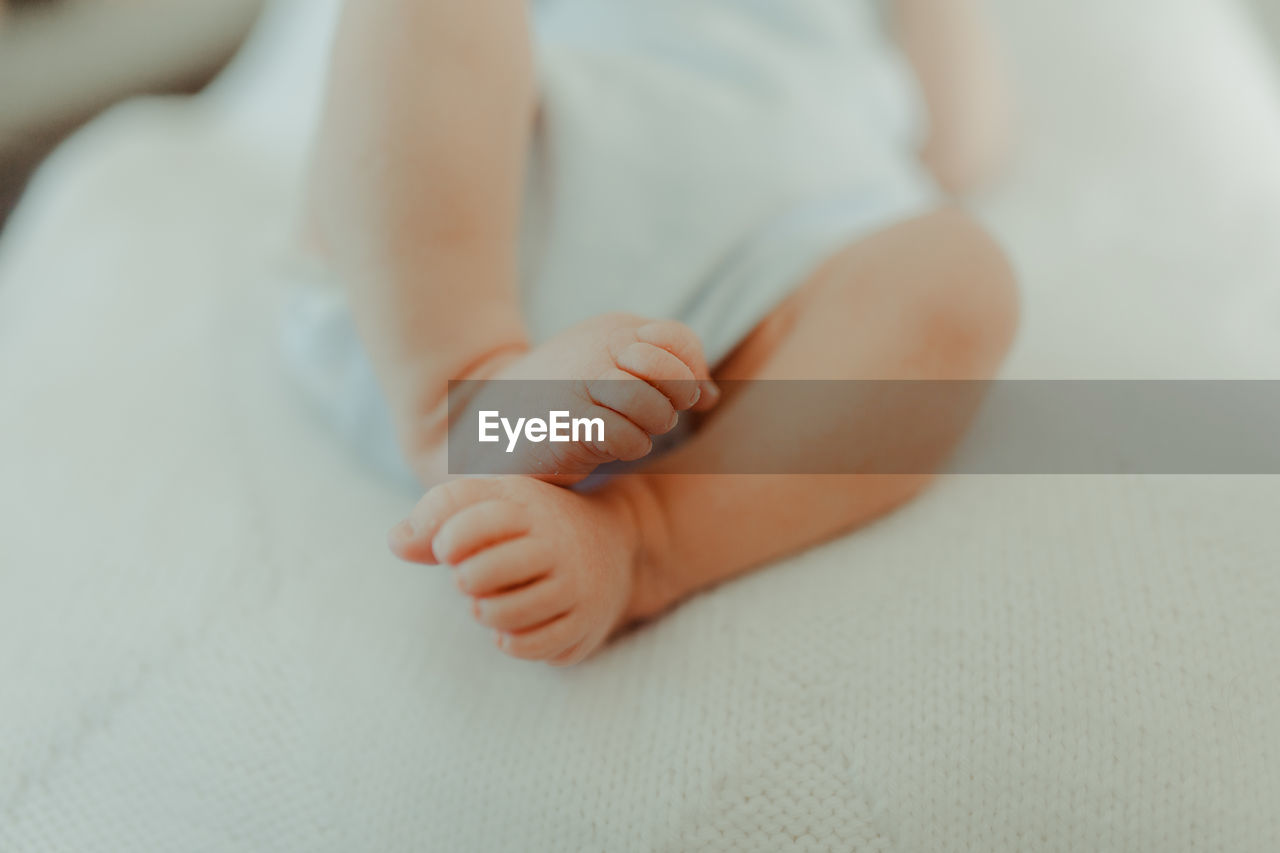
{"x":425,"y":420}
{"x":640,"y":506}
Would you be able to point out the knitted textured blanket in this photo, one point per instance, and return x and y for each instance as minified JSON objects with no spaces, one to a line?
{"x":205,"y":647}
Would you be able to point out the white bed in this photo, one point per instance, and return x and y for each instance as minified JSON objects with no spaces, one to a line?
{"x":204,"y":646}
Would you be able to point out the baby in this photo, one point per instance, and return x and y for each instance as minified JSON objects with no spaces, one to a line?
{"x":674,"y":194}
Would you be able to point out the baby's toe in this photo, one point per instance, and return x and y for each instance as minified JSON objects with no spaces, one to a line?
{"x":525,"y":608}
{"x":506,"y":565}
{"x":679,"y":340}
{"x":544,"y":642}
{"x":477,"y":527}
{"x":412,"y":538}
{"x":621,"y":439}
{"x":638,"y":401}
{"x":662,"y":369}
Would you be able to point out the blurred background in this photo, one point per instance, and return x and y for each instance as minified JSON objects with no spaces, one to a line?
{"x":64,"y":61}
{"x":204,"y":645}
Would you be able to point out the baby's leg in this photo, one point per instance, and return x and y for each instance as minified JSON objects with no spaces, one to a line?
{"x":415,"y":201}
{"x":931,"y":299}
{"x":555,"y":573}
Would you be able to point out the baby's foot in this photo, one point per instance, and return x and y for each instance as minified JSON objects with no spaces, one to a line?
{"x":631,"y":374}
{"x":549,"y":570}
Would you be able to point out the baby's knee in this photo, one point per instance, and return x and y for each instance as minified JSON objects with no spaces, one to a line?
{"x":970,"y":308}
{"x":937,"y":294}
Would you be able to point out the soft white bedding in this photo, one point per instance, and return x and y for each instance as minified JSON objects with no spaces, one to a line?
{"x":203,"y":645}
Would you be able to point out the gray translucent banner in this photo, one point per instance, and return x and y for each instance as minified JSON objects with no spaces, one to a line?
{"x":881,"y":427}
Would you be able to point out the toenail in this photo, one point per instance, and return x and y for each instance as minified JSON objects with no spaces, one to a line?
{"x":697,"y":395}
{"x":402,"y":532}
{"x":675,"y":419}
{"x":650,"y":329}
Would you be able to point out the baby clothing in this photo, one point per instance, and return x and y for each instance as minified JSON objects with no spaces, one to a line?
{"x":692,"y":159}
{"x":696,"y":159}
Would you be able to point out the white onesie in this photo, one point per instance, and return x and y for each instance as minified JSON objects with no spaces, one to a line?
{"x":693,"y":160}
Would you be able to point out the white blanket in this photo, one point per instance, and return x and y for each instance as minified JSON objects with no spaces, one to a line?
{"x":204,"y":645}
